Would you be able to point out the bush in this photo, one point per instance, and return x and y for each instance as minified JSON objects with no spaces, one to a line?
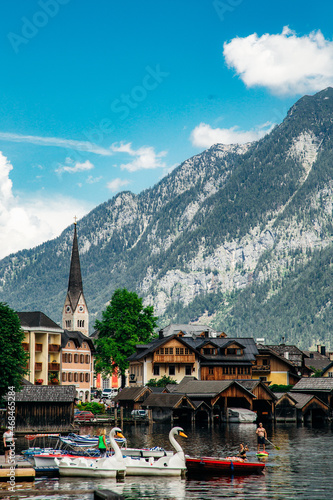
{"x":95,"y":408}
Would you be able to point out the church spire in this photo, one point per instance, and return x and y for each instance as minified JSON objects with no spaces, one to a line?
{"x":75,"y":287}
{"x":75,"y":315}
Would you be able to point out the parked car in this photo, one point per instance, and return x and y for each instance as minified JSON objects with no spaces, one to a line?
{"x":109,"y":393}
{"x":85,"y":416}
{"x":139,"y":414}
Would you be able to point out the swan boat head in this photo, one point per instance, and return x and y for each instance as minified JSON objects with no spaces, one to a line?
{"x":116,"y":432}
{"x":176,"y":431}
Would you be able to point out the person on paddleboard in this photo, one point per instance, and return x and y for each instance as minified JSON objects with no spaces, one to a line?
{"x":262,"y":436}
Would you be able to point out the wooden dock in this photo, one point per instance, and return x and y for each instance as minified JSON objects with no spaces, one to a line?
{"x":23,"y":470}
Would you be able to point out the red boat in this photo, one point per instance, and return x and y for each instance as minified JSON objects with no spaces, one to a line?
{"x":222,"y":466}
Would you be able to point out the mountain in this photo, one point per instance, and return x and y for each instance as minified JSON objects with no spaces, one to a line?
{"x":238,"y":236}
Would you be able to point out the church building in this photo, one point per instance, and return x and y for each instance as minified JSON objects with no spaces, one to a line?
{"x":77,"y":348}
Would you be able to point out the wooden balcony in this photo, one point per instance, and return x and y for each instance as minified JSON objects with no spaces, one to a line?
{"x":54,"y":347}
{"x":25,"y":346}
{"x":54,"y":367}
{"x":38,"y":347}
{"x":38,"y":367}
{"x":261,"y":368}
{"x":174,"y":358}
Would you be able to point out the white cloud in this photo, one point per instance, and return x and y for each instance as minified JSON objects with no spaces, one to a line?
{"x":144,"y":157}
{"x":204,"y":135}
{"x":87,"y":146}
{"x":284,"y":63}
{"x":77,"y":167}
{"x":116,"y":184}
{"x":92,"y":180}
{"x":28,"y":221}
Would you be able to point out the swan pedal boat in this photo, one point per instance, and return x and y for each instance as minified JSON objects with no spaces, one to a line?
{"x":105,"y":467}
{"x":218,"y":466}
{"x":167,"y":465}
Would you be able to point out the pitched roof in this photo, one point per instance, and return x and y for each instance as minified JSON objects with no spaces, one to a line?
{"x":131,"y":393}
{"x":251,"y":384}
{"x":205,"y":388}
{"x":75,"y":287}
{"x":77,"y":337}
{"x":188,"y":330}
{"x":324,"y":384}
{"x":37,"y":319}
{"x":249,"y":353}
{"x":166,"y":400}
{"x":46,"y":394}
{"x":316,"y":360}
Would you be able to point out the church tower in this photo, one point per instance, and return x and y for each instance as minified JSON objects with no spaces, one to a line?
{"x":75,"y":316}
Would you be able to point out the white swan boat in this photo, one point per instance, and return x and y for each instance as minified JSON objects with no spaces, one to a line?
{"x":168,"y":465}
{"x":113,"y":466}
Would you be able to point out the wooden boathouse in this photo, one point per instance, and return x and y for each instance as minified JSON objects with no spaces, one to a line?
{"x":40,"y":408}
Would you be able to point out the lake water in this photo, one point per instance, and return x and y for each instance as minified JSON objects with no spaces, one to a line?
{"x":302,"y":469}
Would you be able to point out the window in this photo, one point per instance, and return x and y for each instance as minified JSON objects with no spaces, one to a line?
{"x":68,"y":323}
{"x":76,"y":358}
{"x":69,"y":344}
{"x":87,"y":358}
{"x":87,"y":377}
{"x":211,"y":371}
{"x":84,"y":345}
{"x":76,"y":377}
{"x":208,"y":351}
{"x":188,"y":370}
{"x":70,"y":377}
{"x":80,"y":323}
{"x":64,"y":357}
{"x":81,"y":377}
{"x":81,"y":358}
{"x":70,"y":358}
{"x":169,"y":350}
{"x":187,"y":351}
{"x":156,"y":370}
{"x":64,"y":377}
{"x":172,"y":370}
{"x":161,"y":350}
{"x":330,"y":374}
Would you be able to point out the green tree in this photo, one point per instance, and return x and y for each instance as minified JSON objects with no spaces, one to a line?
{"x":125,"y":323}
{"x":13,"y":358}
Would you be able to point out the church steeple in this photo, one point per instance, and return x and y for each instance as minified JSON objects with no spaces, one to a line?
{"x":75,"y":312}
{"x":75,"y":287}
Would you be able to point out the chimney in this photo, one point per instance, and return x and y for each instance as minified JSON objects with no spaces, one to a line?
{"x":318,"y":348}
{"x":160,"y":334}
{"x":323,"y":350}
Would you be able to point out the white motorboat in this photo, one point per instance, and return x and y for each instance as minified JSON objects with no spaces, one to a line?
{"x":168,"y":465}
{"x":112,"y":466}
{"x":241,"y":415}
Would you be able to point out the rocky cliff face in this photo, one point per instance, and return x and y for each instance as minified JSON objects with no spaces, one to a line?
{"x":224,"y":220}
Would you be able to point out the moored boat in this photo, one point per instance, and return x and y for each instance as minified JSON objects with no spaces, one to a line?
{"x":222,"y":466}
{"x":167,"y":465}
{"x":106,"y":467}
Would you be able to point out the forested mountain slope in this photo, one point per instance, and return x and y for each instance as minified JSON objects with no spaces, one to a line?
{"x":239,"y":236}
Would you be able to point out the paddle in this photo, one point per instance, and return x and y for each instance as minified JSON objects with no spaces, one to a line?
{"x":270,"y":442}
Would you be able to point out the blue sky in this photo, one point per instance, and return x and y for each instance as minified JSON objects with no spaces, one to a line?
{"x":100,"y":97}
